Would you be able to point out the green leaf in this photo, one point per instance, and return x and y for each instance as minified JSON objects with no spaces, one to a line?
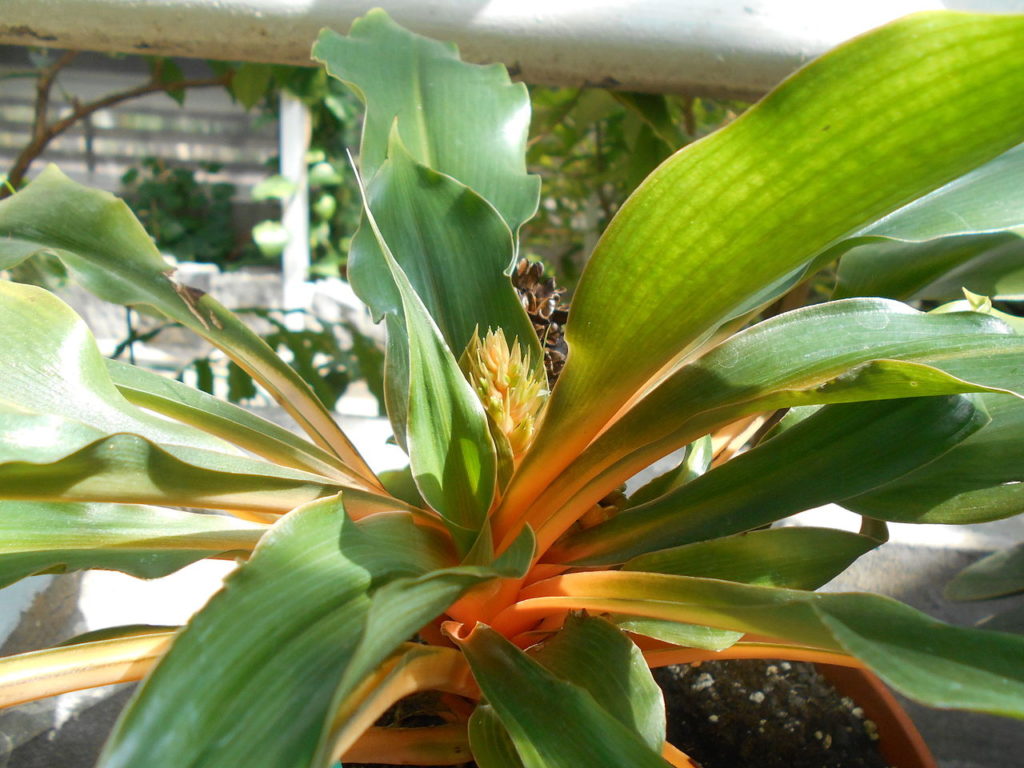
{"x":452,"y":246}
{"x":835,"y":453}
{"x":99,"y":239}
{"x":979,"y":480}
{"x":148,"y":542}
{"x":250,"y":83}
{"x":52,"y":366}
{"x":297,"y":625}
{"x":797,"y":558}
{"x":451,"y":453}
{"x":490,"y":743}
{"x":587,"y":734}
{"x":935,"y":663}
{"x":128,"y":469}
{"x":988,"y":199}
{"x":999,"y":574}
{"x":745,"y":206}
{"x":911,"y":253}
{"x":593,"y":654}
{"x":936,"y":269}
{"x":843,"y":351}
{"x":654,"y":111}
{"x":678,"y":633}
{"x":462,"y":120}
{"x":224,"y":420}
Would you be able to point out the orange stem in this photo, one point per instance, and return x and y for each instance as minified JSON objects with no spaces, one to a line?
{"x":440,"y":745}
{"x":677,"y":757}
{"x":664,"y":657}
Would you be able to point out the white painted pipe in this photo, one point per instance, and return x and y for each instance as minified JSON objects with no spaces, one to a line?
{"x":294,"y":143}
{"x":741,"y":47}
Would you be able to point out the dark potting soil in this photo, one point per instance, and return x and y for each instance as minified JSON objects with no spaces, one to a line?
{"x":758,"y":714}
{"x":765,"y":714}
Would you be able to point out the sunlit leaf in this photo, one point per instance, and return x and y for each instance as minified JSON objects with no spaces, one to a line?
{"x":466,"y":121}
{"x":729,"y":214}
{"x":99,"y":239}
{"x":451,"y":453}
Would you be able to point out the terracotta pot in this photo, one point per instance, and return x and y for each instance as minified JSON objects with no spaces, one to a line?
{"x":898,"y":738}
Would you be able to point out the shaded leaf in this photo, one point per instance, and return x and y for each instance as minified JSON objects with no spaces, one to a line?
{"x":934,"y":663}
{"x":1001,"y":573}
{"x":290,"y":631}
{"x":593,"y":654}
{"x":451,"y":453}
{"x":829,"y":456}
{"x":797,"y":558}
{"x":148,"y":542}
{"x":513,"y":684}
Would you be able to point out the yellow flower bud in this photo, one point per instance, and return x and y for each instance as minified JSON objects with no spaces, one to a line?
{"x":509,"y":388}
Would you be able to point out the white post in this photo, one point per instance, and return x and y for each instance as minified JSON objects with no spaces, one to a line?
{"x":294,"y":143}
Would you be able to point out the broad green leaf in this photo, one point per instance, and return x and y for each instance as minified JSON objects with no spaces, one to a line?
{"x":911,"y":252}
{"x":57,"y":460}
{"x":52,"y":366}
{"x":250,"y":83}
{"x":995,"y":270}
{"x":936,"y":270}
{"x":452,"y":246}
{"x":492,"y":747}
{"x":148,"y":542}
{"x":592,"y":653}
{"x":988,"y":199}
{"x":225,"y":420}
{"x":937,"y":664}
{"x":274,"y":647}
{"x":863,"y":349}
{"x":451,"y":453}
{"x":745,"y":206}
{"x":514,"y":685}
{"x":1001,"y":573}
{"x":797,"y":558}
{"x":981,"y":479}
{"x":98,"y":238}
{"x":833,"y":454}
{"x":462,"y":120}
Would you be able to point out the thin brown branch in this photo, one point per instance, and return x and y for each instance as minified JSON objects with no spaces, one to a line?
{"x":43,"y":86}
{"x":43,"y":134}
{"x":689,"y":118}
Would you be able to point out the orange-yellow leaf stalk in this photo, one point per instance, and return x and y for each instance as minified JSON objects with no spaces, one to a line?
{"x":37,"y":675}
{"x":677,"y":757}
{"x":435,"y":669}
{"x":440,"y":745}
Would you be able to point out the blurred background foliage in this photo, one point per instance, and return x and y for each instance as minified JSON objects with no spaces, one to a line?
{"x":590,"y":146}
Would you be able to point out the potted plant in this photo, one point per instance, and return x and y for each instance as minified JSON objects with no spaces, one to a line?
{"x":504,"y":575}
